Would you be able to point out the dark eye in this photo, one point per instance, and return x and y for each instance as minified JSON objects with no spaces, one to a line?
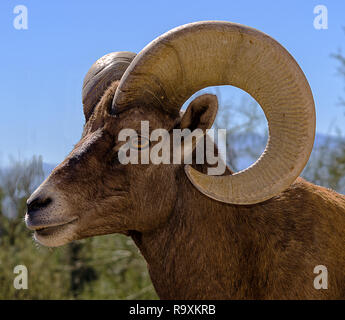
{"x":139,"y":142}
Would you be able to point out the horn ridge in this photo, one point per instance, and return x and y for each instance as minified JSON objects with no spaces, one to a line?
{"x":102,"y":73}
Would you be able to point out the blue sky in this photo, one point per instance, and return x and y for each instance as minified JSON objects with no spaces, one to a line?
{"x":42,"y":68}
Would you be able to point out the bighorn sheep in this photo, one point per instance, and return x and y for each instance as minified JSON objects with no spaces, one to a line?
{"x":258,"y":233}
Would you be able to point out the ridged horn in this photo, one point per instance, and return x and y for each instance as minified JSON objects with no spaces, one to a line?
{"x":191,"y":57}
{"x":102,"y":73}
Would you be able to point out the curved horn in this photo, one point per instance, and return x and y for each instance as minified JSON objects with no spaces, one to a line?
{"x":191,"y":57}
{"x":102,"y":73}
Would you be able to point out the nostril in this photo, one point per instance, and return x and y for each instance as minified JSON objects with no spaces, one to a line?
{"x":38,"y":204}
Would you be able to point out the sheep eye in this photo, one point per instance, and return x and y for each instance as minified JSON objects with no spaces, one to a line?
{"x":139,"y":142}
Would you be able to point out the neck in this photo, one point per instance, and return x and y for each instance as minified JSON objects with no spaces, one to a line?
{"x":186,"y":255}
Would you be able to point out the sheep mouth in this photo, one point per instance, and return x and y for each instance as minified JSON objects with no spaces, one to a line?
{"x":53,"y":230}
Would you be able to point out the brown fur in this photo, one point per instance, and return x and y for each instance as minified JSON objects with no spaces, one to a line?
{"x":196,"y":247}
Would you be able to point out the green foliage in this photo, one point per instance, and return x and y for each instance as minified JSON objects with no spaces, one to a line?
{"x":327,"y":164}
{"x":107,"y":267}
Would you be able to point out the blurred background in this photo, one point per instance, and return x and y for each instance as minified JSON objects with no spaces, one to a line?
{"x":43,"y":63}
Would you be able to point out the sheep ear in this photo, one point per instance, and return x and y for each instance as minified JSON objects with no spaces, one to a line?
{"x":200,"y":113}
{"x":198,"y":117}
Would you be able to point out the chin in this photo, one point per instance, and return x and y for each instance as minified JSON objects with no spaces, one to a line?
{"x":55,"y":236}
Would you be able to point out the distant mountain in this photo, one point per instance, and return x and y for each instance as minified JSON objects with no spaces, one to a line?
{"x":247,"y":147}
{"x":321,"y":139}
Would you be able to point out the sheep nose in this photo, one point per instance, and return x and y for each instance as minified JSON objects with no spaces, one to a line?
{"x":37,"y":203}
